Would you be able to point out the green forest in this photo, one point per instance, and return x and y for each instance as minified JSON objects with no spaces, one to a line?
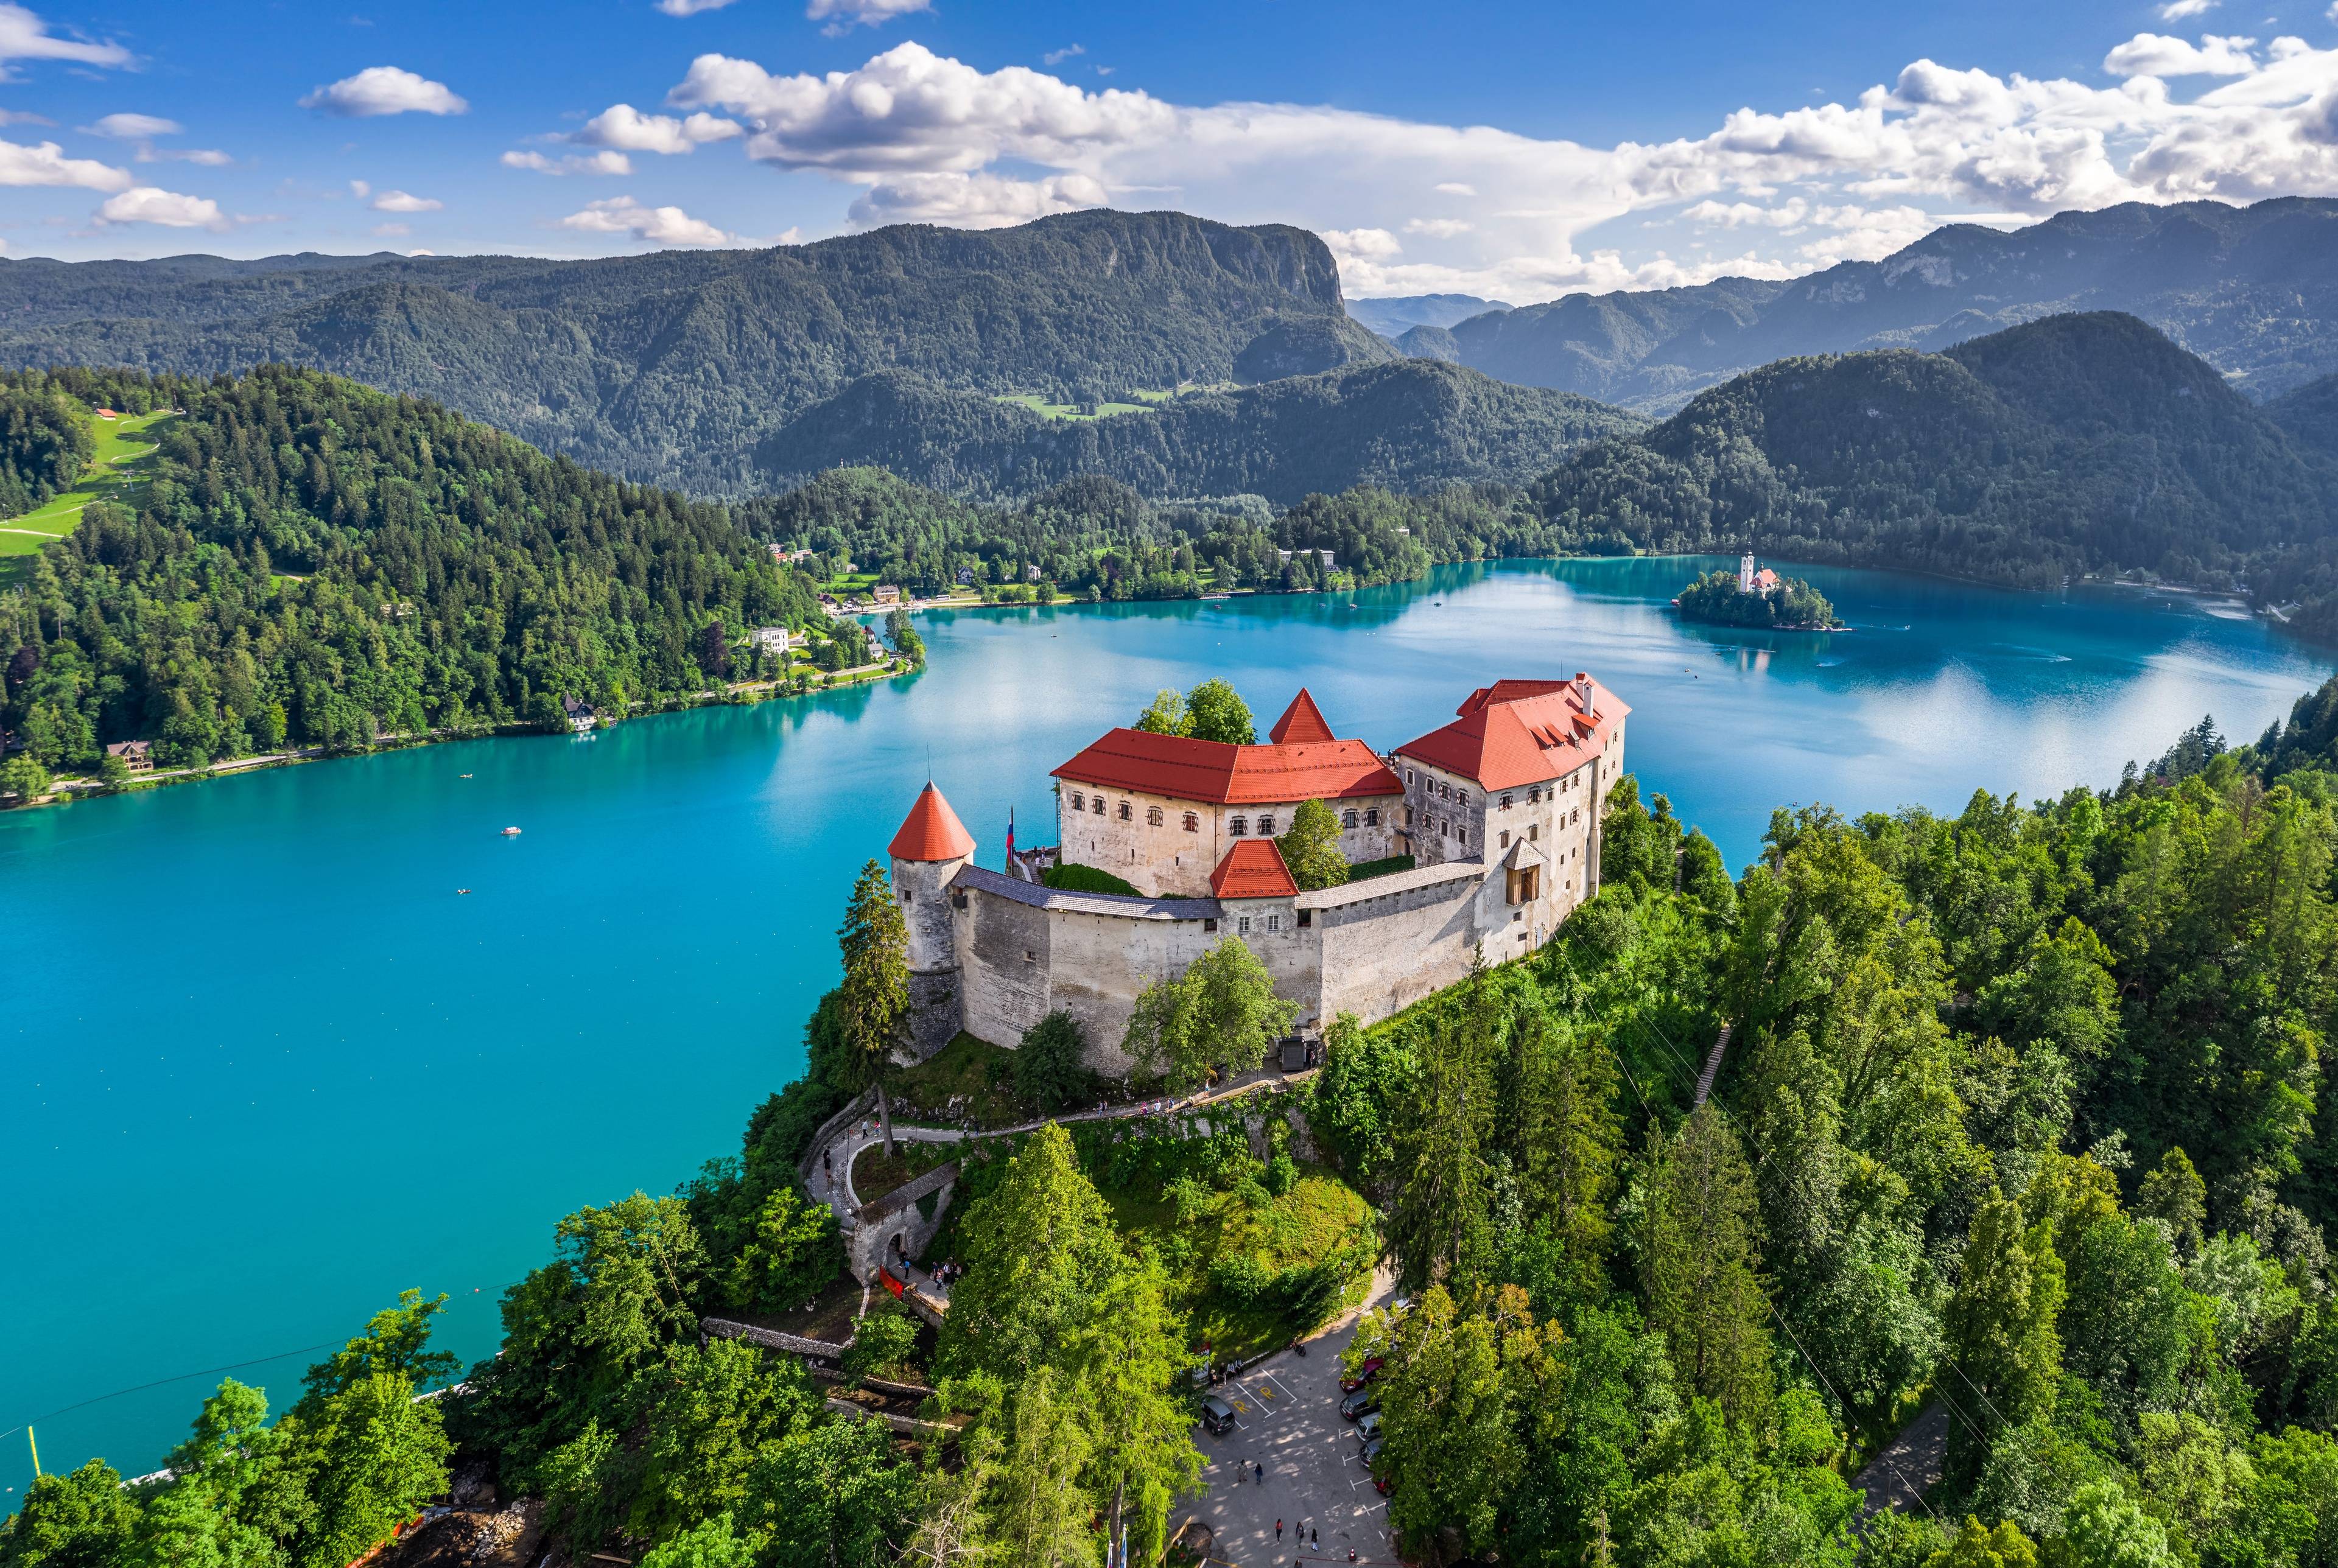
{"x":310,"y":563}
{"x":1714,"y":598}
{"x":2020,"y":1118}
{"x":2071,"y":446}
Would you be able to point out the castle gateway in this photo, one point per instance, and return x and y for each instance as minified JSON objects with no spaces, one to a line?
{"x":1499,"y":808}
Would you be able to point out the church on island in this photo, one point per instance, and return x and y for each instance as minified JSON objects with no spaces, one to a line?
{"x":1498,"y":810}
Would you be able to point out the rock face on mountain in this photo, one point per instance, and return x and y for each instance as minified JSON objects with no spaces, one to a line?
{"x":2079,"y":443}
{"x":1308,"y":347}
{"x":672,"y":367}
{"x":2252,"y":290}
{"x":1403,"y":424}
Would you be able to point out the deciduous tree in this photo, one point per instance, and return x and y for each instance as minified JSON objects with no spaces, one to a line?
{"x":873,"y":999}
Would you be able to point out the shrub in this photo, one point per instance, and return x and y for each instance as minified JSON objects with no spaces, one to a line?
{"x":1281,"y":1175}
{"x":1241,"y":1278}
{"x":1050,"y":1070}
{"x":884,"y":1342}
{"x":1073,"y":877}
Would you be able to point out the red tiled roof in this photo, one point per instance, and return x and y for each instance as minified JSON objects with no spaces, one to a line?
{"x":1302,"y":722}
{"x":1253,"y":869}
{"x":931,"y":831}
{"x":1517,"y":732}
{"x":1211,"y":772}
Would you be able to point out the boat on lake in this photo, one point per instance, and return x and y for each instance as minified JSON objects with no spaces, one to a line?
{"x":511,"y":832}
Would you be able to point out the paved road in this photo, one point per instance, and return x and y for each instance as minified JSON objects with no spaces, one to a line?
{"x":1909,"y":1466}
{"x":1287,"y":1413}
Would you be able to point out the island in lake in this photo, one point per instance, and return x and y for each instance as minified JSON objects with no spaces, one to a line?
{"x":1756,"y":598}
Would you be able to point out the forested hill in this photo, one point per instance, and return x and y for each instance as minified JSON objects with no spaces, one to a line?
{"x":669,"y":369}
{"x":2310,"y":414}
{"x":314,"y":562}
{"x":2076,"y":445}
{"x":1406,"y":426}
{"x":2251,"y":290}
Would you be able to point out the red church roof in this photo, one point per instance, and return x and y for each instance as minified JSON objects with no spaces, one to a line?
{"x":1517,"y":732}
{"x":931,"y":831}
{"x":1253,"y":869}
{"x":1305,"y":763}
{"x":1302,"y":722}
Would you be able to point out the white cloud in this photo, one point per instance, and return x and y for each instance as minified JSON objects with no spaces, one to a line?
{"x":399,"y":201}
{"x":46,"y":164}
{"x":973,"y":200}
{"x":602,"y":163}
{"x":1057,"y":56}
{"x":133,"y":127}
{"x":19,"y":117}
{"x":2157,"y":54}
{"x":146,"y":204}
{"x":2177,"y":10}
{"x":208,"y":157}
{"x":843,"y":16}
{"x":657,"y":225}
{"x":385,"y":90}
{"x":1798,"y":188}
{"x":24,"y":36}
{"x":690,"y":7}
{"x":627,"y":129}
{"x":360,"y":190}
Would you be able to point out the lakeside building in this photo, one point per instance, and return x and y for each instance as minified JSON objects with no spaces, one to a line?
{"x":138,"y":756}
{"x":580,"y":715}
{"x":1500,"y":809}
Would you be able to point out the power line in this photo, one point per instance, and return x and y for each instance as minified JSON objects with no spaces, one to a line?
{"x":161,"y":1382}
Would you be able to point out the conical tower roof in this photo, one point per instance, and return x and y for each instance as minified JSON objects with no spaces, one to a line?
{"x":1302,"y":723}
{"x":931,"y":831}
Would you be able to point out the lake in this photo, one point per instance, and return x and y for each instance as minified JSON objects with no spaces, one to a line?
{"x":261,"y":1066}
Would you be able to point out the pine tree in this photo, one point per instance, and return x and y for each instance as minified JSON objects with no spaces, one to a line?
{"x":2005,"y":1352}
{"x":1698,"y":1263}
{"x":875,"y":995}
{"x":1572,"y":1137}
{"x":1438,"y":1224}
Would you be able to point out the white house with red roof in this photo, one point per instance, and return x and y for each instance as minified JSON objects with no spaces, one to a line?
{"x":1162,"y":811}
{"x":1500,"y":809}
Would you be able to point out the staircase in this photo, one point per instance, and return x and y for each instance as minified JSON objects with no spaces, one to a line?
{"x":1713,"y":1063}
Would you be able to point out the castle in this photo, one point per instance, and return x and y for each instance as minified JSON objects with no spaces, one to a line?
{"x":1499,"y":810}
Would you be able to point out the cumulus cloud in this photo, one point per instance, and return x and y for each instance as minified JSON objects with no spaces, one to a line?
{"x":132,"y":127}
{"x":1798,"y":188}
{"x":24,"y":36}
{"x":974,"y":201}
{"x":656,"y":225}
{"x":399,"y":201}
{"x":385,"y":90}
{"x":46,"y":164}
{"x":147,"y":204}
{"x":2157,"y":54}
{"x":627,"y":129}
{"x":606,"y":162}
{"x":843,"y":16}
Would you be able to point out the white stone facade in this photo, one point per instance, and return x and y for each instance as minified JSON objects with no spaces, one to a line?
{"x":1167,"y":847}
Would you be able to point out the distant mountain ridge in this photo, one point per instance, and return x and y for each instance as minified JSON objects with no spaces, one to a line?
{"x":2080,"y":444}
{"x":2253,"y":291}
{"x":671,"y":367}
{"x":1401,"y":425}
{"x":1393,"y":317}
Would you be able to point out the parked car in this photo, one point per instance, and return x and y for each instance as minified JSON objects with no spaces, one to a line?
{"x":1217,"y":1416}
{"x":1364,"y":1373}
{"x":1371,"y":1452}
{"x":1368,"y":1426}
{"x":1357,"y":1403}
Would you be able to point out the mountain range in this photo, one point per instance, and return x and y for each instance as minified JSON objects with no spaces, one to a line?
{"x":2253,"y":291}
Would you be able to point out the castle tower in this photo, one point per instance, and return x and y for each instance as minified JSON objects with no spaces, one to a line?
{"x":932,"y":847}
{"x":1745,"y":573}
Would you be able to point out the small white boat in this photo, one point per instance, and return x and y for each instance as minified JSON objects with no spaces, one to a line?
{"x":511,"y":832}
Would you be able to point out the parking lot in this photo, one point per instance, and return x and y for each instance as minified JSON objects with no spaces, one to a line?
{"x":1287,"y":1422}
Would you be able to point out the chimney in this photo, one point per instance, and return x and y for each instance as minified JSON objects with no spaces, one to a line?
{"x":1584,"y":692}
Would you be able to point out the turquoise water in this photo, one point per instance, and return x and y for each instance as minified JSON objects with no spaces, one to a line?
{"x":261,"y":1067}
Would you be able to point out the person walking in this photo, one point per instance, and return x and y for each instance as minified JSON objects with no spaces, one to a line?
{"x":1314,"y":1536}
{"x":1277,"y":1531}
{"x":1260,"y":1471}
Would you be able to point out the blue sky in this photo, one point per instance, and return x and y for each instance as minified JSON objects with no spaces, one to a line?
{"x":1518,"y":152}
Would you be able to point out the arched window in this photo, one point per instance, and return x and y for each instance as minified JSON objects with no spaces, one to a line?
{"x":1347,"y":818}
{"x":1266,"y":827}
{"x":1126,"y":813}
{"x":1192,"y":822}
{"x":1237,"y":825}
{"x":1153,"y":815}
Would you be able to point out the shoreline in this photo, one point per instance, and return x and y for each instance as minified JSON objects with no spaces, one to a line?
{"x":748,"y":694}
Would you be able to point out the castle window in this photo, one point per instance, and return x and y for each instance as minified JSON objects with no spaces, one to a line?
{"x":1505,"y":838}
{"x":1534,"y":796}
{"x":1153,"y":815}
{"x":1505,"y":800}
{"x":1192,"y":822}
{"x":1266,"y":827}
{"x":1209,"y":925}
{"x":1079,"y":801}
{"x":1346,"y":818}
{"x":1306,"y":919}
{"x":1576,"y":815}
{"x":1237,"y":825}
{"x":1098,"y":806}
{"x":1274,"y":923}
{"x":1407,"y":816}
{"x":1241,"y":925}
{"x":1371,"y":817}
{"x":1462,"y":835}
{"x":1408,"y":776}
{"x":1126,"y":814}
{"x":1534,"y":831}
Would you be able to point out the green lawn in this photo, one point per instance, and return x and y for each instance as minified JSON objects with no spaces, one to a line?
{"x":1046,"y":411}
{"x":114,"y":474}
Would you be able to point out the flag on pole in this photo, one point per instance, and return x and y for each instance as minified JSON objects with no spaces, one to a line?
{"x":1010,"y":837}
